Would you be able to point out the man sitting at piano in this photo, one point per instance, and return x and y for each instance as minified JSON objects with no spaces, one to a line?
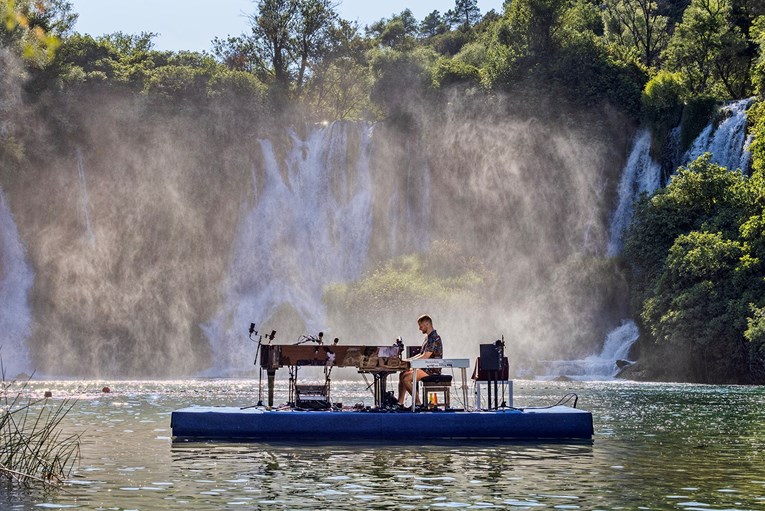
{"x":431,"y":348}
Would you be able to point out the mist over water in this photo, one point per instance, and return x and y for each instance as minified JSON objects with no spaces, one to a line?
{"x":603,"y":365}
{"x":155,"y":248}
{"x":16,"y":279}
{"x":310,"y":225}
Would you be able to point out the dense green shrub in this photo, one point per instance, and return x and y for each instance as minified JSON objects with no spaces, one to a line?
{"x":695,"y":255}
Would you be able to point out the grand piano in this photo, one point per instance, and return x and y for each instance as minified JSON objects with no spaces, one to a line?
{"x":379,"y":361}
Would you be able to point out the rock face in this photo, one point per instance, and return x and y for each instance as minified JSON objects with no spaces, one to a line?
{"x":621,"y":364}
{"x":633,"y":371}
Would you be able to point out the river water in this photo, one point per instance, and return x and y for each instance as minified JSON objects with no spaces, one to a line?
{"x":656,"y":446}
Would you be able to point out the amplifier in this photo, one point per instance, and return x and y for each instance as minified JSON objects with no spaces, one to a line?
{"x":311,"y":397}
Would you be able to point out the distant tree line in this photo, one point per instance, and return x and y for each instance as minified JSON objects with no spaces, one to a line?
{"x":301,"y":55}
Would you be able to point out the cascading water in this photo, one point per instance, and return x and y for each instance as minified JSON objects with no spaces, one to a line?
{"x":727,"y":141}
{"x":16,"y":278}
{"x":728,"y":144}
{"x":310,"y":227}
{"x":84,"y":201}
{"x":602,"y":366}
{"x":641,"y":174}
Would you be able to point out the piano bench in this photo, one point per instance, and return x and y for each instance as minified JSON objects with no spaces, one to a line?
{"x":434,"y":384}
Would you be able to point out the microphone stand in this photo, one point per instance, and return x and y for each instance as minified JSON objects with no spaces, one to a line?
{"x":260,"y":369}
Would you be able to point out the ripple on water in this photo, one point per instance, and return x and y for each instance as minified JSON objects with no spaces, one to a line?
{"x":644,"y":458}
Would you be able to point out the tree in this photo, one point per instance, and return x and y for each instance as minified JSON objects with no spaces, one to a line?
{"x":35,"y":28}
{"x":702,"y":45}
{"x":465,"y":13}
{"x":696,"y":258}
{"x":286,"y":37}
{"x":697,"y":308}
{"x":272,"y":33}
{"x":432,"y":25}
{"x":397,"y":32}
{"x":313,"y":23}
{"x":638,"y":26}
{"x":758,"y":72}
{"x":340,"y":82}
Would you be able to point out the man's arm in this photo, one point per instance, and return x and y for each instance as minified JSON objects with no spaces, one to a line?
{"x":424,"y":354}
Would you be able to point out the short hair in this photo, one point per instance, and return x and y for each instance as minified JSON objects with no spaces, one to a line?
{"x":424,"y":318}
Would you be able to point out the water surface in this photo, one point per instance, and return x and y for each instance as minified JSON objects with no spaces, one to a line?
{"x":656,"y":446}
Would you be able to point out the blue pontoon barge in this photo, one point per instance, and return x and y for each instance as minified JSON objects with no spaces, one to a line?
{"x":300,"y":423}
{"x":258,"y":424}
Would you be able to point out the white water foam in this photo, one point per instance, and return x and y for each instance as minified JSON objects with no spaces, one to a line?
{"x":603,"y":365}
{"x":307,"y":229}
{"x":728,"y":141}
{"x":16,"y":278}
{"x":641,"y":174}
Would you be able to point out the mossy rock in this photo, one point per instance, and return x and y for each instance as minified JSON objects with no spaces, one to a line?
{"x":697,"y":113}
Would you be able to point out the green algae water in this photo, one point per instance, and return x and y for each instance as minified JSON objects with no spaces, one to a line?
{"x":656,"y":446}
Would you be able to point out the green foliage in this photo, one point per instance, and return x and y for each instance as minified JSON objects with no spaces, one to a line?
{"x":397,"y":32}
{"x":443,"y":279}
{"x":663,"y":101}
{"x":755,"y":334}
{"x":637,"y":27}
{"x":399,"y":78}
{"x":465,"y":14}
{"x":34,"y":29}
{"x":697,"y":112}
{"x":710,"y":51}
{"x":758,"y":38}
{"x":696,"y":305}
{"x":432,"y":25}
{"x":178,"y":82}
{"x":756,"y":121}
{"x":695,"y":254}
{"x":448,"y":72}
{"x":450,"y":43}
{"x":33,"y":448}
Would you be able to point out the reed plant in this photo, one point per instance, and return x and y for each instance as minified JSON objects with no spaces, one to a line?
{"x":33,"y":447}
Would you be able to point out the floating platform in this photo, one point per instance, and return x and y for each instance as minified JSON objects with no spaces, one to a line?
{"x":259,"y":424}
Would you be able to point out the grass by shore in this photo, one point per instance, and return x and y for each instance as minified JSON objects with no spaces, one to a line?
{"x":33,"y":447}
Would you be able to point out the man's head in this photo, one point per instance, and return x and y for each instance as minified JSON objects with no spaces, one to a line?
{"x":425,"y":324}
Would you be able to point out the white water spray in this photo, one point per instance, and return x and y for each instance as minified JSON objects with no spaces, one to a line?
{"x":602,"y":366}
{"x":308,"y":228}
{"x":16,"y":278}
{"x":84,"y":201}
{"x":641,"y":174}
{"x":728,"y":141}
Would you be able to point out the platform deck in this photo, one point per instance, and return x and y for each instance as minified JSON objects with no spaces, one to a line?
{"x":558,"y":422}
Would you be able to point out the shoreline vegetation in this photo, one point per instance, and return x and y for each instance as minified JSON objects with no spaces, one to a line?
{"x":693,"y":268}
{"x":33,"y":448}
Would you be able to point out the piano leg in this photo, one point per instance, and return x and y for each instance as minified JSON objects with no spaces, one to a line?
{"x":271,"y":378}
{"x":381,"y":387}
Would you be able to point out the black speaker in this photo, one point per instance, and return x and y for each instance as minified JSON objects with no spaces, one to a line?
{"x":490,"y":358}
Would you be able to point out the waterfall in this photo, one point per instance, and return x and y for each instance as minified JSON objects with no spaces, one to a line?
{"x":16,"y":278}
{"x":84,"y":202}
{"x":603,"y":365}
{"x":728,"y":141}
{"x":641,"y":174}
{"x":310,"y":226}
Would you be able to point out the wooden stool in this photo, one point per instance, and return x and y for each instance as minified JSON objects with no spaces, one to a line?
{"x":435,"y":383}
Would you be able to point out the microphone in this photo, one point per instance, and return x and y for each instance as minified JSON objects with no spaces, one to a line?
{"x":272,"y":335}
{"x":321,"y":336}
{"x":337,"y":340}
{"x":252,"y":328}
